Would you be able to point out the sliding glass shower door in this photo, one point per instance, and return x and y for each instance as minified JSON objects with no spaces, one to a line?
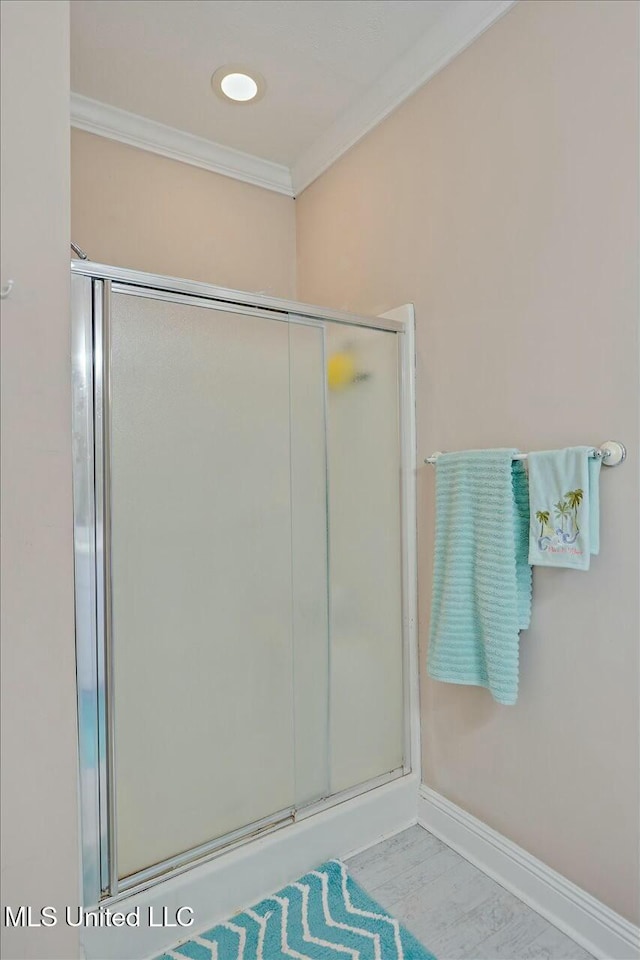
{"x":366,"y":662}
{"x":211,"y":474}
{"x":244,"y":532}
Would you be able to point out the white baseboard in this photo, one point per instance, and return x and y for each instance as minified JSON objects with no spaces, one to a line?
{"x":219,"y":888}
{"x":586,"y":920}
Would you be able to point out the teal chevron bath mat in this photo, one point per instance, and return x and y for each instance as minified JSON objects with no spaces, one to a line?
{"x":323,"y":916}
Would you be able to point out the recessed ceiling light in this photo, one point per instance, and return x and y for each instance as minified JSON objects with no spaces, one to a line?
{"x":236,"y":83}
{"x":239,"y":86}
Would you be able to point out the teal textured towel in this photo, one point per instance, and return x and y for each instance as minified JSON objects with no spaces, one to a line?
{"x":564,"y":499}
{"x":481,"y":578}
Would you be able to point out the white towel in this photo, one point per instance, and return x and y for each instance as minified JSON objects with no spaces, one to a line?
{"x":564,"y":525}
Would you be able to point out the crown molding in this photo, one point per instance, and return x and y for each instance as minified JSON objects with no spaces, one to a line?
{"x":107,"y":121}
{"x":462,"y":24}
{"x":455,"y":31}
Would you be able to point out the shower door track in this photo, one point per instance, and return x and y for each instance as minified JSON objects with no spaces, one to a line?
{"x":91,"y":288}
{"x":206,"y":851}
{"x":150,"y":282}
{"x":174,"y":866}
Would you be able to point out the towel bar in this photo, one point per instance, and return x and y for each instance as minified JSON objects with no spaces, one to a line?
{"x":611,"y":452}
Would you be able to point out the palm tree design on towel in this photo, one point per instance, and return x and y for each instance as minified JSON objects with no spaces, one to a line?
{"x":562,"y":511}
{"x":542,"y":516}
{"x":565,"y":510}
{"x":574,"y":499}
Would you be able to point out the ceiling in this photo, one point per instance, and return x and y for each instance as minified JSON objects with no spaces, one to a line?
{"x":320,"y":60}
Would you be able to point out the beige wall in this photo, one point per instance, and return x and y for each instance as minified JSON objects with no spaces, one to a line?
{"x":135,"y":209}
{"x":39,"y":763}
{"x":502,"y":199}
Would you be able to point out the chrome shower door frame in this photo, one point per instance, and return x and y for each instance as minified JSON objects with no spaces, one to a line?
{"x":91,"y":290}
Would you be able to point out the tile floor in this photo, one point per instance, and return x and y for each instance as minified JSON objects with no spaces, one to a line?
{"x":452,"y":907}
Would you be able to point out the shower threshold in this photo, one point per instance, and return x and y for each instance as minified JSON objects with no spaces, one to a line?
{"x":173,"y":866}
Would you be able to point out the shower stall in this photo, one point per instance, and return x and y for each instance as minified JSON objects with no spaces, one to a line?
{"x":244,"y":584}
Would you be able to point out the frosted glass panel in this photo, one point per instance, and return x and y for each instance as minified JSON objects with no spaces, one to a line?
{"x":309,"y":543}
{"x":255,"y":568}
{"x":201,"y":574}
{"x":366,"y":723}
